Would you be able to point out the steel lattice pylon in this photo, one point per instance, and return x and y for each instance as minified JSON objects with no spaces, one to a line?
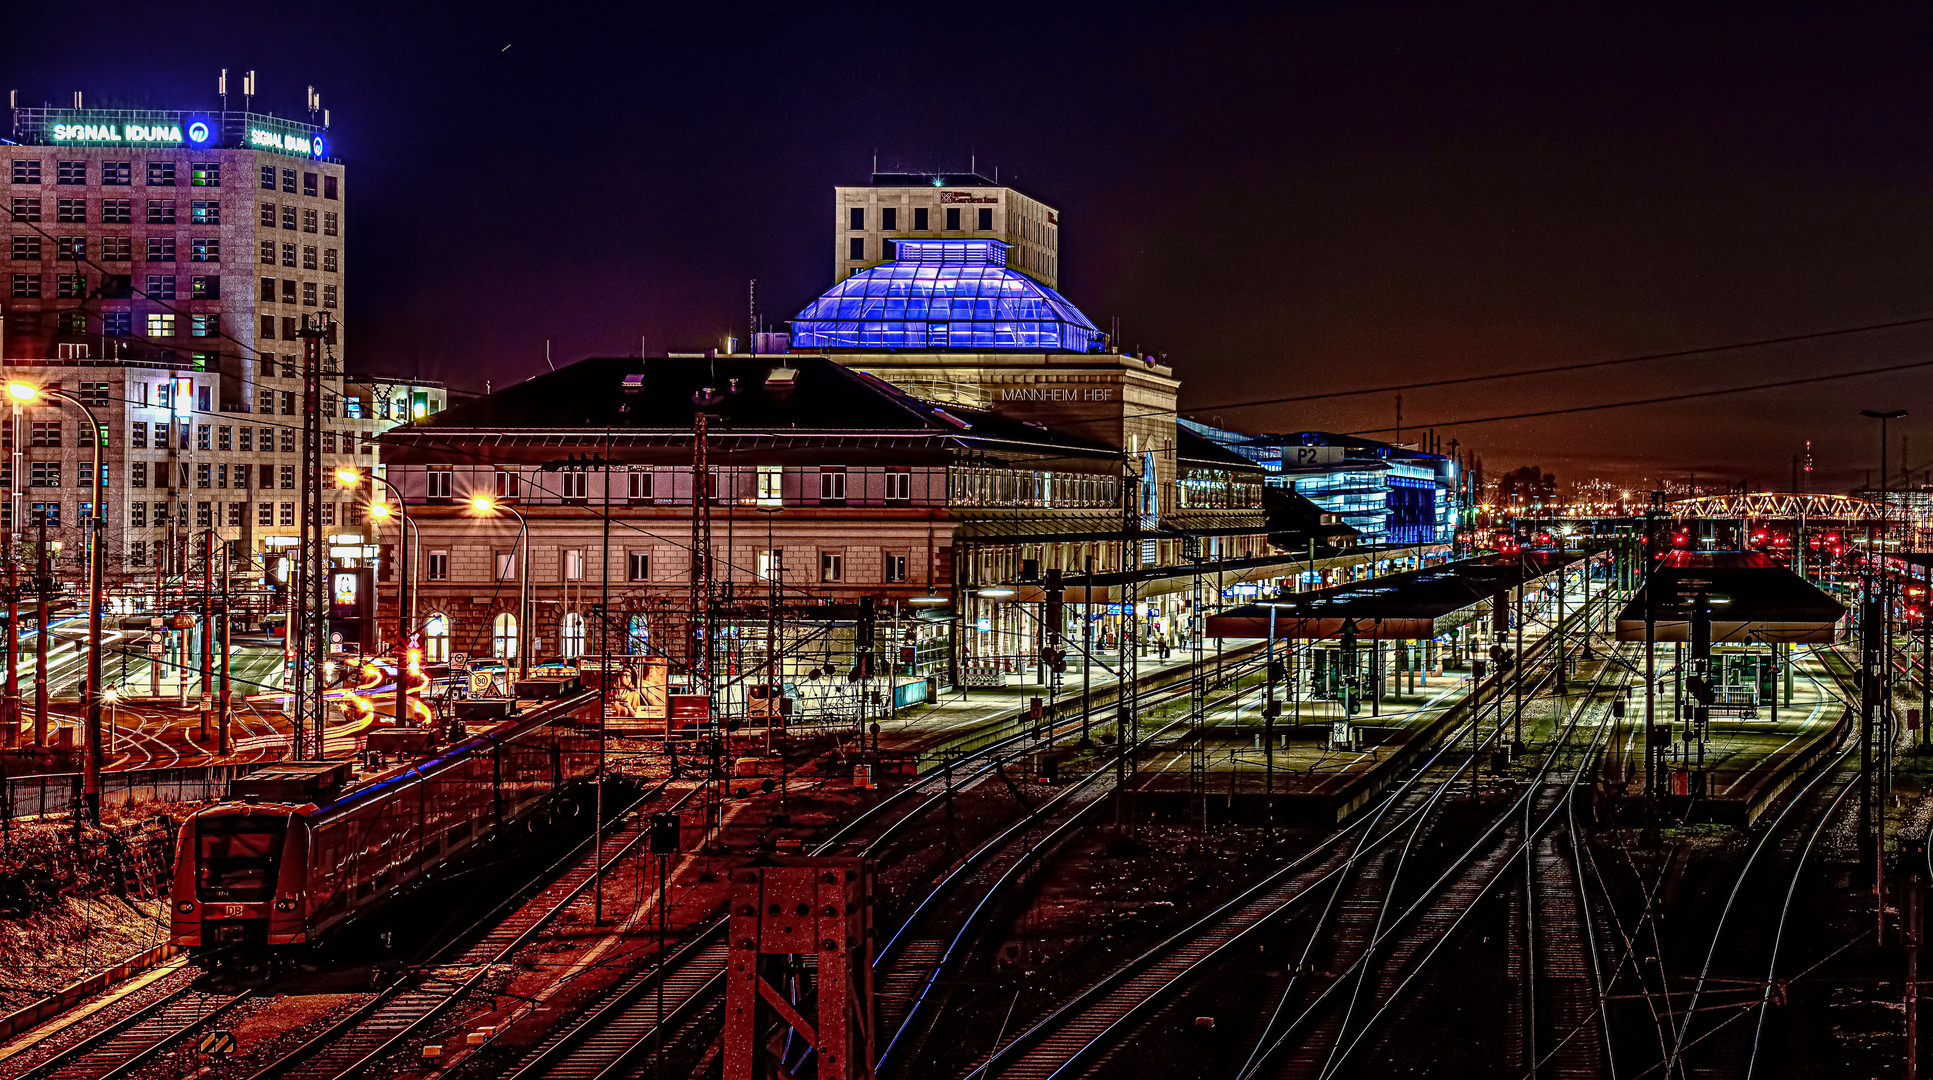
{"x":310,"y":623}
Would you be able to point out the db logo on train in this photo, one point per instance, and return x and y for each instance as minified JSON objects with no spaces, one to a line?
{"x":234,"y":911}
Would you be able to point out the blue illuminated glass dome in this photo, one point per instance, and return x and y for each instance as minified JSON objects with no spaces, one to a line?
{"x":944,"y":294}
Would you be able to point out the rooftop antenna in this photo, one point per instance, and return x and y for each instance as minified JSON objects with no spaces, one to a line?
{"x":751,"y":308}
{"x":248,"y":90}
{"x":553,"y":367}
{"x":77,"y":100}
{"x":221,"y":88}
{"x":315,"y":104}
{"x":325,"y":119}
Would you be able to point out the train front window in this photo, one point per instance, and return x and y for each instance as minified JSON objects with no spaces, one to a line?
{"x":237,"y":856}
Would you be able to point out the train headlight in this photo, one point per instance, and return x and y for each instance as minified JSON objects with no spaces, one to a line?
{"x":285,"y":905}
{"x":185,"y":907}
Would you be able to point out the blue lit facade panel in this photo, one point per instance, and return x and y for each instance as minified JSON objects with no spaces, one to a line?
{"x":1412,"y":511}
{"x":944,"y":294}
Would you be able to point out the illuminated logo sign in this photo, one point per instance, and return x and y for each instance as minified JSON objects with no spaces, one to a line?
{"x":118,"y":133}
{"x":286,"y":142}
{"x":966,"y":197}
{"x":199,"y":132}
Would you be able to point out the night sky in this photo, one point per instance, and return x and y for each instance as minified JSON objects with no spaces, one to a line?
{"x":1285,"y":201}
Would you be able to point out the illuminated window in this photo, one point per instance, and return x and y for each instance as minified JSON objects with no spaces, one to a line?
{"x":161,"y":323}
{"x":206,"y":174}
{"x":503,"y":636}
{"x":571,"y":635}
{"x":204,"y":212}
{"x":286,"y":514}
{"x":436,"y":638}
{"x":204,"y":249}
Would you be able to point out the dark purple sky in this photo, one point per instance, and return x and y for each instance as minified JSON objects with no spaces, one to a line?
{"x":1284,"y":200}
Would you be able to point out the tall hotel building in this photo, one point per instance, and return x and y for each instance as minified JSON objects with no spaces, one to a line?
{"x":158,"y":266}
{"x":939,"y":206}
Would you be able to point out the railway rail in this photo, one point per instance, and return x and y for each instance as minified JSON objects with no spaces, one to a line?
{"x":377,"y":1028}
{"x":1073,"y":1035}
{"x":635,"y":1016}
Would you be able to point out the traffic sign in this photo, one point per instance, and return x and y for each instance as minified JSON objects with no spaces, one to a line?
{"x":479,"y":682}
{"x":218,"y":1043}
{"x":154,"y":646}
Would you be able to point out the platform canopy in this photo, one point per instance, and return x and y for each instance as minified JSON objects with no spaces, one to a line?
{"x":1751,"y":598}
{"x":1410,"y":606}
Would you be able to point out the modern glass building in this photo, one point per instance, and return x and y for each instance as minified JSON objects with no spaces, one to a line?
{"x":938,"y":295}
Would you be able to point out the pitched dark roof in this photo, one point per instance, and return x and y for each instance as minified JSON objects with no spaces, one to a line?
{"x":662,"y":395}
{"x":1196,"y":449}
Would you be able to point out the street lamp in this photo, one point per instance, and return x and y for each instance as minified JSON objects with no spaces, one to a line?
{"x":483,"y":504}
{"x":28,"y":394}
{"x":405,"y":610}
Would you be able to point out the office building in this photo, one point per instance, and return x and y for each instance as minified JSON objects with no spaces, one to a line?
{"x":929,"y":206}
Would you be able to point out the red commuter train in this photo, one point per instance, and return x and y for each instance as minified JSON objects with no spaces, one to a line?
{"x":292,"y":855}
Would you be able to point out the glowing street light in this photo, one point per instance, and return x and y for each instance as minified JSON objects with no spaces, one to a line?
{"x":483,"y":504}
{"x":349,"y":477}
{"x":26,"y":393}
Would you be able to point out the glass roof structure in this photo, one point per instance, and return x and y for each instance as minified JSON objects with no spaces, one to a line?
{"x":945,"y":295}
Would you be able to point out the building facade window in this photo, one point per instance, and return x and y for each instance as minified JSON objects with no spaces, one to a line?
{"x":503,"y":636}
{"x":506,"y":562}
{"x":161,"y":212}
{"x":161,"y":249}
{"x":27,"y":170}
{"x":571,"y":635}
{"x":117,"y":173}
{"x":161,"y":174}
{"x":832,"y":566}
{"x":638,"y":485}
{"x":895,"y":567}
{"x":205,"y":174}
{"x":436,"y":638}
{"x":71,"y":211}
{"x":832,"y":486}
{"x":437,"y":482}
{"x":637,"y":566}
{"x":437,"y":566}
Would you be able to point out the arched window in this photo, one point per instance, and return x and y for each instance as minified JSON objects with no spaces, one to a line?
{"x":436,"y":639}
{"x":572,"y":635}
{"x":637,"y":638}
{"x":503,"y":636}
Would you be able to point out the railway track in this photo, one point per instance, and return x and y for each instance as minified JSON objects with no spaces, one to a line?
{"x":1073,"y":1036}
{"x":130,"y":1043}
{"x":382,"y":1025}
{"x":635,"y":1017}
